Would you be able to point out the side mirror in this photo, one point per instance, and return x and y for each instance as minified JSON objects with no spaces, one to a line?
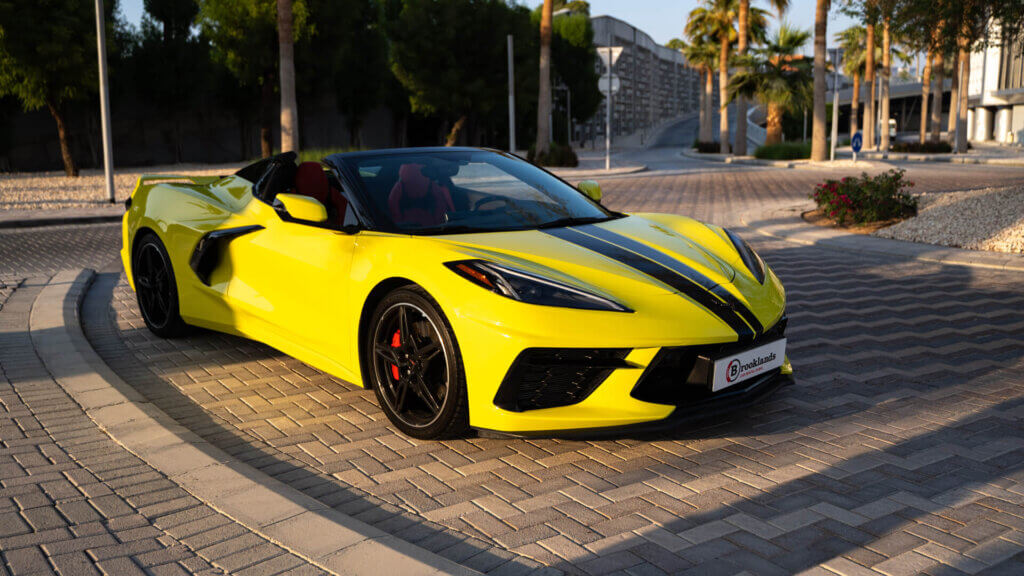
{"x":591,"y":189}
{"x":303,"y":208}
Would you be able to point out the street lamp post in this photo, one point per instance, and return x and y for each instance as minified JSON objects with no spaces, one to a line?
{"x":108,"y":155}
{"x":511,"y":97}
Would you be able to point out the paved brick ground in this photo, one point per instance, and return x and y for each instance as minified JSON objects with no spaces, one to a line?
{"x":900,"y":449}
{"x":74,"y":502}
{"x":898,"y":452}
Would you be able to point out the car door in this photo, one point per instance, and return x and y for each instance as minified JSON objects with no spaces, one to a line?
{"x":290,"y":278}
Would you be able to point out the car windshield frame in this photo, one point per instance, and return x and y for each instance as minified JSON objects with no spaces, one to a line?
{"x":347,"y":165}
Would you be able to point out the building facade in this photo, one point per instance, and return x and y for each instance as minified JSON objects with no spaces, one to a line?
{"x":996,"y":93}
{"x":656,"y":82}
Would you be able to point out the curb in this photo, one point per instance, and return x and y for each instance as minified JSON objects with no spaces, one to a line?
{"x":787,"y":224}
{"x":565,"y":174}
{"x":870,"y":157}
{"x":35,"y":219}
{"x":728,"y":159}
{"x":956,"y":159}
{"x":301,"y":524}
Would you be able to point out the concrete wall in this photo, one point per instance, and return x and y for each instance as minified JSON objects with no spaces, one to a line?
{"x":209,"y":133}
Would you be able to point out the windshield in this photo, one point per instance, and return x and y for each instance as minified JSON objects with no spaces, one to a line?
{"x":442,"y":192}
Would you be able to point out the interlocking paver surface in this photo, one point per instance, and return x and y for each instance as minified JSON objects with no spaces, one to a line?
{"x":74,"y":502}
{"x":899,"y":450}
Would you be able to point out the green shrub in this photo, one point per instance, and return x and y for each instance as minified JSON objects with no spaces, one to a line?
{"x":784,"y":151}
{"x":707,"y":147}
{"x":940,"y":147}
{"x":558,"y":155}
{"x":866,"y":198}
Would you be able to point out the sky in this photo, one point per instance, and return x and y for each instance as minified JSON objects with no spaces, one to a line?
{"x":662,"y":19}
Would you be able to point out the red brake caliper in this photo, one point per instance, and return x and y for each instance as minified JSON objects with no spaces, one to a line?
{"x":396,"y":342}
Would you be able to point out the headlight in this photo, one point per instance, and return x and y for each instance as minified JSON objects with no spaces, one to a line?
{"x":529,"y":288}
{"x":750,"y":258}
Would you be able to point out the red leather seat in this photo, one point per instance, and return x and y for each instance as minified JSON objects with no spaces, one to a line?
{"x":311,"y":180}
{"x":416,"y":199}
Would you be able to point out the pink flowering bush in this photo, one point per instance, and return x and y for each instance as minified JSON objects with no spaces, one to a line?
{"x":866,"y":198}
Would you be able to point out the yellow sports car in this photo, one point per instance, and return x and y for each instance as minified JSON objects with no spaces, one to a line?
{"x":468,"y":288}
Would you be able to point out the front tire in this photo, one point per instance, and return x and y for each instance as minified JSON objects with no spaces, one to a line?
{"x":415,"y":366}
{"x":156,"y":288}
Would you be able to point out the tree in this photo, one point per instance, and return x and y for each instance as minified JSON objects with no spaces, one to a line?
{"x":853,"y":43}
{"x":168,"y":51}
{"x":243,"y":34}
{"x":886,"y":72}
{"x":349,"y":59}
{"x":572,"y":48}
{"x":286,"y":52}
{"x":431,"y":56}
{"x":778,"y":77}
{"x":818,"y":144}
{"x":743,"y":34}
{"x":48,"y":58}
{"x":544,"y":84}
{"x":703,"y":55}
{"x":926,"y":86}
{"x":716,"y":18}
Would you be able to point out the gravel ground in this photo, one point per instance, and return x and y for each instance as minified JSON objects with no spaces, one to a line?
{"x":987,"y":219}
{"x":43,"y":190}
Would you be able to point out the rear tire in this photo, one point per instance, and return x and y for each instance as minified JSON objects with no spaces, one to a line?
{"x":156,"y":288}
{"x":415,"y":366}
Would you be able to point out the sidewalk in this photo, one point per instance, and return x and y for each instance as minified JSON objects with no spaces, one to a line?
{"x":84,"y":210}
{"x":981,"y":154}
{"x":95,"y":478}
{"x":786,"y":223}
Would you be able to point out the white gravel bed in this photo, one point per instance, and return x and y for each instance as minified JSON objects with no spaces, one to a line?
{"x":988,"y":219}
{"x":48,"y":190}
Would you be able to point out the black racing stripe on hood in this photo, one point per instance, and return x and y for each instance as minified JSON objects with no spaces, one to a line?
{"x":659,"y":272}
{"x":678,"y":267}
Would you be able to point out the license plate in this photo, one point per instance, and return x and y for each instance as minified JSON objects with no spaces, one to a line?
{"x":736,"y":368}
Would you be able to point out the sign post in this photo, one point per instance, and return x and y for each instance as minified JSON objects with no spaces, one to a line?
{"x":856,"y":143}
{"x":609,"y":86}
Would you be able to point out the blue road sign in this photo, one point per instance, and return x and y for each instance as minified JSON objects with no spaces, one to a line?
{"x":856,"y":142}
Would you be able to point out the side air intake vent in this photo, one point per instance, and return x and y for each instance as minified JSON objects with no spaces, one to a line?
{"x":552,"y":377}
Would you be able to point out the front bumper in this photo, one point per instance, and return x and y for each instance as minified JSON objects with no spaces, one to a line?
{"x":588,"y":392}
{"x":726,"y":401}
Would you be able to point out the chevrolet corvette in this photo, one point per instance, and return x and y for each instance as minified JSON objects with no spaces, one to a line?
{"x":466,"y":287}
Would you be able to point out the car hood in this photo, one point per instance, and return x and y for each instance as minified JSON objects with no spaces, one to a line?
{"x":597,"y":257}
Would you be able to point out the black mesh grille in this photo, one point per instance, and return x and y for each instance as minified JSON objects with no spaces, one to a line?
{"x":682,"y":375}
{"x":552,"y":377}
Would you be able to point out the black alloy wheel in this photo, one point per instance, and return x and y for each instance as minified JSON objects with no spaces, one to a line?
{"x":415,"y":366}
{"x":155,"y":288}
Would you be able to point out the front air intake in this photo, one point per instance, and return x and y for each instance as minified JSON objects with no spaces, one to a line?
{"x":553,"y":377}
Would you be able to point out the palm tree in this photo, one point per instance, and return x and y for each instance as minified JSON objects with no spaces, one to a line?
{"x":886,"y":76}
{"x":544,"y":82}
{"x":743,"y":33}
{"x":703,"y":56}
{"x":778,"y":77}
{"x":853,"y":42}
{"x":820,"y":37}
{"x":715,"y":20}
{"x":289,"y":108}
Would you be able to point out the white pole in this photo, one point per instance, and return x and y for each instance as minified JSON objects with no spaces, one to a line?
{"x":511,"y":97}
{"x":835,"y":102}
{"x":101,"y":49}
{"x":608,"y":117}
